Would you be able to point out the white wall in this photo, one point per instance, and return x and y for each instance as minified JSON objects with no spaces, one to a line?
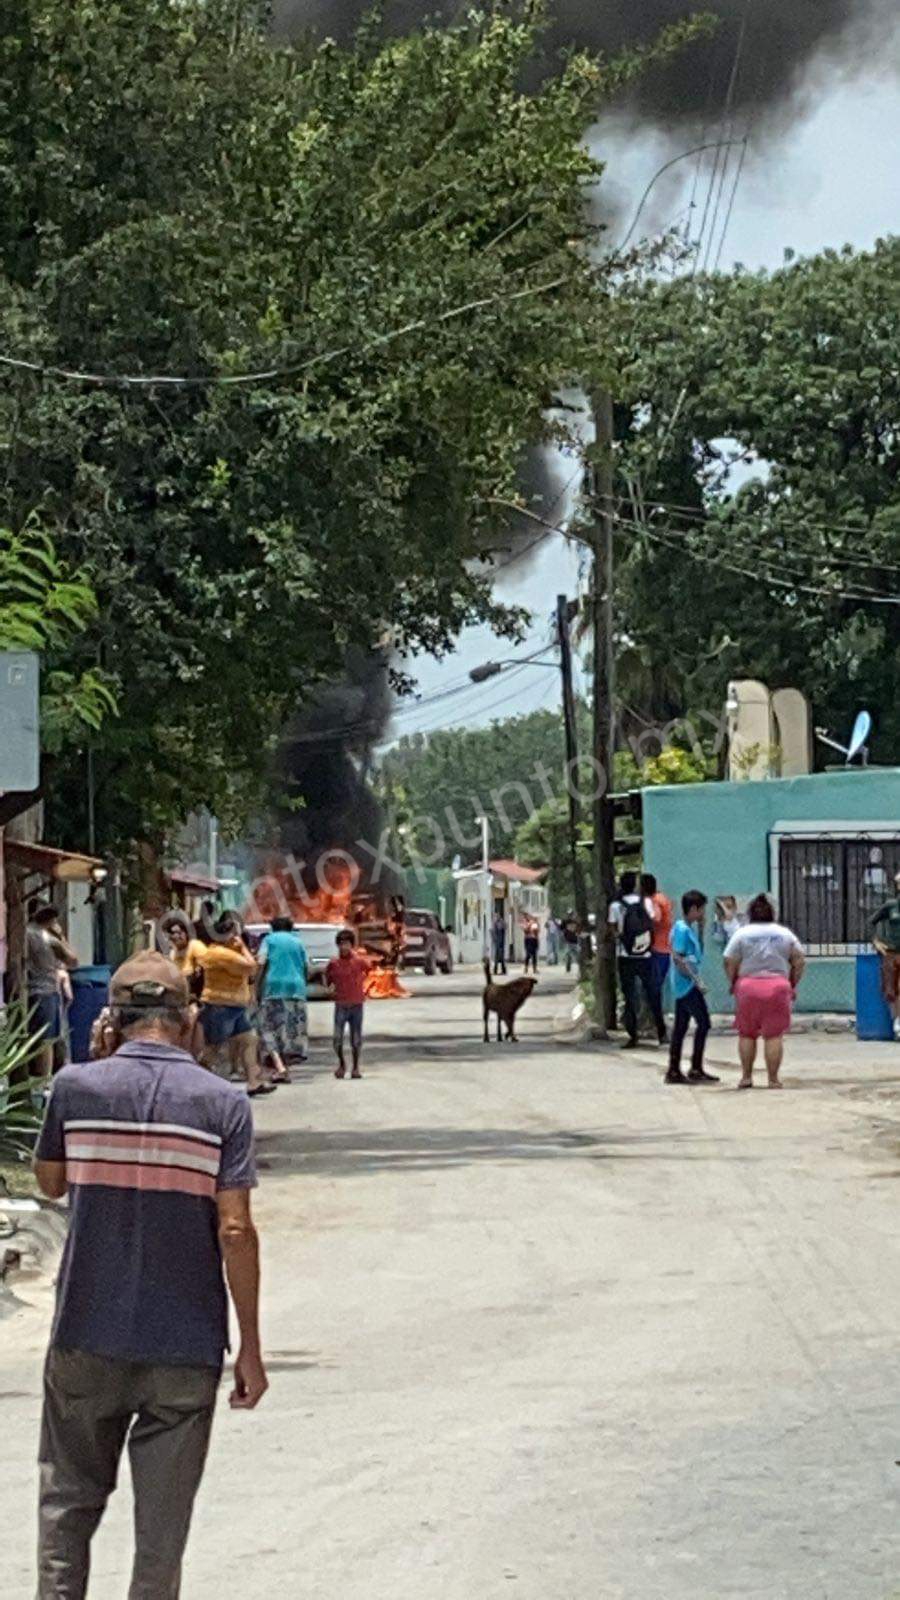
{"x":80,"y":922}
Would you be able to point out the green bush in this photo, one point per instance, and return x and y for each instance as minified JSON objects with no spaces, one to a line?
{"x":19,"y":1120}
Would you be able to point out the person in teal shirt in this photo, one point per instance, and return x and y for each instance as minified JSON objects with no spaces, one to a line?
{"x":282,"y":1016}
{"x":690,"y":995}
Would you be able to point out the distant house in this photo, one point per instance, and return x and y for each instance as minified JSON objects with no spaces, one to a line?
{"x":826,"y":846}
{"x":515,"y":891}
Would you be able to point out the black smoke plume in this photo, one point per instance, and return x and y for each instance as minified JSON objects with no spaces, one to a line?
{"x":323,"y":770}
{"x":782,"y":39}
{"x":765,"y":50}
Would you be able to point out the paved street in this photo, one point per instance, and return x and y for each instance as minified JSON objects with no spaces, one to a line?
{"x":540,"y":1327}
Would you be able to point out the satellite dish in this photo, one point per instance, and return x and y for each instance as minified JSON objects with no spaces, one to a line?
{"x":862,"y":727}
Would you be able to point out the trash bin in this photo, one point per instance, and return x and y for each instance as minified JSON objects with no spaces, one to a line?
{"x":90,"y":991}
{"x":873,"y":1014}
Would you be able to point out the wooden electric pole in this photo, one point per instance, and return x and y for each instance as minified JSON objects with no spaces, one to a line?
{"x":572,"y":784}
{"x":604,"y":816}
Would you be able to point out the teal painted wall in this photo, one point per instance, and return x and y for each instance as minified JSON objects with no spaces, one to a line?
{"x":715,"y":837}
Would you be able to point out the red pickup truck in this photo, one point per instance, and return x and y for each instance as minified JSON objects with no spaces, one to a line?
{"x":426,"y":944}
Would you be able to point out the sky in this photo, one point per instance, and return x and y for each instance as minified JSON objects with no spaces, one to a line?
{"x":832,"y":178}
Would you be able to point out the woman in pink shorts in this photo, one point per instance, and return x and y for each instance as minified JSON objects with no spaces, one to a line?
{"x":764,"y":962}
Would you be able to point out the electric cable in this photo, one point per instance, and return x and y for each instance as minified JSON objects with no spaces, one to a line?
{"x":274,"y":374}
{"x":698,"y":515}
{"x":728,"y":128}
{"x":729,"y":213}
{"x":876,"y":597}
{"x":868,"y":597}
{"x":410,"y":707}
{"x":520,"y":555}
{"x":684,"y":156}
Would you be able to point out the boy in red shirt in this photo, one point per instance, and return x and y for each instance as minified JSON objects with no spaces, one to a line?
{"x":346,"y":977}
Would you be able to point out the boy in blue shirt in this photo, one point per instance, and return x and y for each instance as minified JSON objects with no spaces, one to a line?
{"x":690,"y":994}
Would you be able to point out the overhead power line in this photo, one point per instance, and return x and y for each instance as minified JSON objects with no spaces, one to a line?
{"x":273,"y":374}
{"x":675,"y":540}
{"x":697,"y":149}
{"x":692,"y":513}
{"x":723,"y":153}
{"x":742,"y":160}
{"x":759,"y":574}
{"x":451,"y":692}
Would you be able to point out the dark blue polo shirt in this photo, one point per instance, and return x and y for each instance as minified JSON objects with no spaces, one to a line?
{"x":148,"y":1138}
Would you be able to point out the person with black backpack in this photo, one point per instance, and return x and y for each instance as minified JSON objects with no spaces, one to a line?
{"x":632,"y":916}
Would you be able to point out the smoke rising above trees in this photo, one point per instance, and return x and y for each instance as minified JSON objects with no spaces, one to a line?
{"x":782,"y":40}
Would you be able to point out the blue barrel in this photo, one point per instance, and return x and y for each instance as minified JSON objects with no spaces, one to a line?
{"x":90,"y":991}
{"x":873,"y":1014}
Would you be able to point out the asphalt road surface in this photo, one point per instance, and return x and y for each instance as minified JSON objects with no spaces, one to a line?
{"x":539,"y":1326}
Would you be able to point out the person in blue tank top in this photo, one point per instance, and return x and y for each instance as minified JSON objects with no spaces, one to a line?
{"x":282,"y":1018}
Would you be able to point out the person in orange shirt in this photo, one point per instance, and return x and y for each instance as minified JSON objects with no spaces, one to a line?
{"x":663,"y":921}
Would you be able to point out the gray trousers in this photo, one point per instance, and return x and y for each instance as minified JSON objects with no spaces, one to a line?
{"x":92,"y":1405}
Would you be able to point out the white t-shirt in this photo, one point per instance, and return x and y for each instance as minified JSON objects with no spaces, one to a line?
{"x":764,"y":950}
{"x":617,"y":917}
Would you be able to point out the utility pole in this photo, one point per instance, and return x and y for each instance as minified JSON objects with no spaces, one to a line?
{"x":572,"y":780}
{"x":604,"y":816}
{"x":486,"y":907}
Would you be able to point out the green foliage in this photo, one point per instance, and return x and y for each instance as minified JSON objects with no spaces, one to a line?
{"x":179,"y":196}
{"x":673,"y":764}
{"x":544,"y":840}
{"x":19,"y":1122}
{"x":44,"y":607}
{"x":790,"y":381}
{"x":437,"y":785}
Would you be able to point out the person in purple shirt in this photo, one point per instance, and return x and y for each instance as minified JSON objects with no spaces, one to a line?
{"x":156,"y":1157}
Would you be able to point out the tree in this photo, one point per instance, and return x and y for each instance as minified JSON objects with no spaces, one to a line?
{"x":543,"y":840}
{"x":760,"y":511}
{"x":436,"y":786}
{"x":44,"y":607}
{"x":395,"y":235}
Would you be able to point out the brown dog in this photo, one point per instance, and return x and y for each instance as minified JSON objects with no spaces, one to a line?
{"x":507,"y":999}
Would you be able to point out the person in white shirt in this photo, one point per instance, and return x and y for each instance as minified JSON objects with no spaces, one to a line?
{"x":764,"y":963}
{"x":632,"y":916}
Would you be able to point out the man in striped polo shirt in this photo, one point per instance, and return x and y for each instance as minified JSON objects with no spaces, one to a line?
{"x":156,"y":1156}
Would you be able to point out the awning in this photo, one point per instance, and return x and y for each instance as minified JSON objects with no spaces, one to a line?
{"x":192,"y":878}
{"x":40,"y":860}
{"x":516,"y":873}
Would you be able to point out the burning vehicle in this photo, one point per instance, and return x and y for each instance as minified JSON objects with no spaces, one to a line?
{"x":321,"y":900}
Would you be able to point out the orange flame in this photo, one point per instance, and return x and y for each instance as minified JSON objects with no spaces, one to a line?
{"x":383,"y":984}
{"x":283,"y":892}
{"x":279,"y":894}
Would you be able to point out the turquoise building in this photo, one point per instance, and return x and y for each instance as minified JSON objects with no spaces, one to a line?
{"x":826,"y":846}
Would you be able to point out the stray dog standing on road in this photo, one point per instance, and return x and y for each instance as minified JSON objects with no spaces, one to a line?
{"x":507,"y":999}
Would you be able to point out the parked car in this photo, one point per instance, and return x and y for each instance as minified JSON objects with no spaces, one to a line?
{"x":426,"y":943}
{"x":319,"y":941}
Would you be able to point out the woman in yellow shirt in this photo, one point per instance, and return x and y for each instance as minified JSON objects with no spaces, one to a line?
{"x":185,"y":951}
{"x":228,"y":971}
